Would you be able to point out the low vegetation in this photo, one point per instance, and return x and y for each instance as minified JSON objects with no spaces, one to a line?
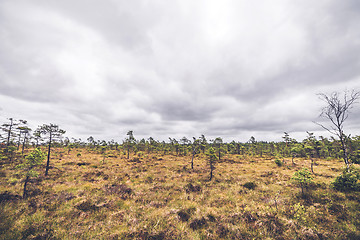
{"x":158,"y":196}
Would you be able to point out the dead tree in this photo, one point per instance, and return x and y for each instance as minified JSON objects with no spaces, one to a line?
{"x":337,"y":111}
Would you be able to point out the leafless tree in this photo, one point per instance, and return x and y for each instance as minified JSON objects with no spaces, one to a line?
{"x":337,"y":111}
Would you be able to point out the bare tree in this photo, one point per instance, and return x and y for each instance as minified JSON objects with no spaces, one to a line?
{"x":337,"y":111}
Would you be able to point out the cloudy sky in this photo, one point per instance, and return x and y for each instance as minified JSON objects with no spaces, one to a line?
{"x":228,"y":68}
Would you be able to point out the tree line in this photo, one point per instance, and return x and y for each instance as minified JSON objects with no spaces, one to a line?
{"x":17,"y":136}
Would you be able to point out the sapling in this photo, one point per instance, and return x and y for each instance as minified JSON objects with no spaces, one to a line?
{"x":212,"y":158}
{"x":34,"y":159}
{"x":303,"y":178}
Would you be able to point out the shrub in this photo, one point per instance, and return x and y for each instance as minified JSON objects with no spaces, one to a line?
{"x":355,"y":157}
{"x":250,"y":185}
{"x":278,"y":162}
{"x":347,"y":181}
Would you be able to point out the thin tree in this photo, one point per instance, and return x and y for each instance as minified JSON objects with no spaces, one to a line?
{"x":53,"y":133}
{"x":218,"y":142}
{"x":337,"y":111}
{"x":203,"y":143}
{"x":129,"y":142}
{"x":184,"y":142}
{"x":10,"y":129}
{"x":195,"y":146}
{"x":212,"y":159}
{"x":26,"y":132}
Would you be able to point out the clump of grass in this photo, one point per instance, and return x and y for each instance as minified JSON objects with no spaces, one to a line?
{"x":278,"y":162}
{"x":185,"y":214}
{"x":198,"y":223}
{"x":192,"y":188}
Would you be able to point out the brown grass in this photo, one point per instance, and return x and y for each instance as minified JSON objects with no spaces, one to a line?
{"x":160,"y":197}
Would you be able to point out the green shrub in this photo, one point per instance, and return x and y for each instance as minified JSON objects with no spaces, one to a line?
{"x":278,"y":162}
{"x":355,"y":157}
{"x":348,"y":181}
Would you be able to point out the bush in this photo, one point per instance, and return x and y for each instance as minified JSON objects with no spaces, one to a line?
{"x":250,"y":185}
{"x":355,"y":157}
{"x":347,"y":181}
{"x":278,"y":162}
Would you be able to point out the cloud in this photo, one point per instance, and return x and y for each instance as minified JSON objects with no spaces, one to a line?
{"x":181,"y":68}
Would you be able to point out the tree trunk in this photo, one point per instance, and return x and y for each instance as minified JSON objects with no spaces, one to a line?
{"x":292,"y":160}
{"x":219,"y":152}
{"x":48,"y":157}
{"x":25,"y":185}
{"x":192,"y":159}
{"x":345,"y":155}
{"x":18,"y":146}
{"x":9,"y":134}
{"x":23,"y":146}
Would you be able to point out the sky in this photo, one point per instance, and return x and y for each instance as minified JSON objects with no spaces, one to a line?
{"x":222,"y":68}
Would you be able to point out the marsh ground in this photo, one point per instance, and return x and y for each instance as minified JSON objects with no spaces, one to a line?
{"x":154,"y":196}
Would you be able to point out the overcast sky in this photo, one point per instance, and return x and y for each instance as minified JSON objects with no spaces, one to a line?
{"x":167,"y":68}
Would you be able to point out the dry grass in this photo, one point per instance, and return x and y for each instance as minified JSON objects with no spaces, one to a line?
{"x":160,"y":197}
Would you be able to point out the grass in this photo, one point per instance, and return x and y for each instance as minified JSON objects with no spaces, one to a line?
{"x":151,"y":196}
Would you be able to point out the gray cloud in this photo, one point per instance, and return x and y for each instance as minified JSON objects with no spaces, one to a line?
{"x":180,"y":68}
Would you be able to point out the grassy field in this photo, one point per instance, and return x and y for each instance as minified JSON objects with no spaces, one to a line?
{"x":152,"y":196}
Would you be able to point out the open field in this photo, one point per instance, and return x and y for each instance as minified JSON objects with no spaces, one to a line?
{"x":154,"y":196}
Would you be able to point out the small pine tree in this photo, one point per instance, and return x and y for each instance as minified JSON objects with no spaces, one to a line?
{"x":34,"y":159}
{"x":303,"y":178}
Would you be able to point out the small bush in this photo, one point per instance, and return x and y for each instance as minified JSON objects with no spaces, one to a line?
{"x":347,"y":181}
{"x":278,"y":162}
{"x":250,"y":185}
{"x":192,"y":188}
